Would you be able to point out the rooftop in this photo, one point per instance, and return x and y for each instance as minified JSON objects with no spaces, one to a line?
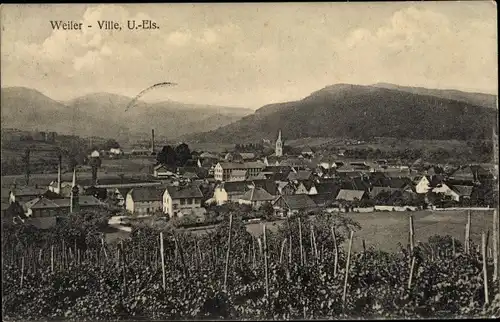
{"x":142,"y":194}
{"x":188,"y":191}
{"x":297,"y":202}
{"x":257,"y":194}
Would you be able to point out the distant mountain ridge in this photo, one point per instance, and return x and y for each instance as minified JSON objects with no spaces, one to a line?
{"x":103,"y":114}
{"x":346,"y":110}
{"x":474,"y":98}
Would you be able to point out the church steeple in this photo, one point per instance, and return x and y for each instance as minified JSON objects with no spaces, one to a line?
{"x":279,"y":146}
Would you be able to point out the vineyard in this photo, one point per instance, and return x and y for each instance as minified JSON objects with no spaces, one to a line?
{"x":297,"y":272}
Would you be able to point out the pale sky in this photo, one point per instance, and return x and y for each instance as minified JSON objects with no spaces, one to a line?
{"x":250,"y":54}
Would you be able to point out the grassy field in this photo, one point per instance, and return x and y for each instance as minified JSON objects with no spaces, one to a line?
{"x":135,"y":165}
{"x":384,"y":230}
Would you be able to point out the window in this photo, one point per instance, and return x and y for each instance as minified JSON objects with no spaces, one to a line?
{"x":147,"y":210}
{"x":183,"y":201}
{"x":175,"y":206}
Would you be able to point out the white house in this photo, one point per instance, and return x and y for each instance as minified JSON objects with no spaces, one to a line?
{"x":144,"y":200}
{"x":454,"y":191}
{"x":177,"y":200}
{"x":230,"y":191}
{"x":223,"y":170}
{"x":422,"y":185}
{"x":115,"y":151}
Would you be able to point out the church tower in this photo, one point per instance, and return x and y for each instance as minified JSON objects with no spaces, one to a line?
{"x":74,"y":202}
{"x":279,"y":146}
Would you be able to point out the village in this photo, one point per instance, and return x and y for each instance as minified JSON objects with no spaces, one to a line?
{"x":274,"y":186}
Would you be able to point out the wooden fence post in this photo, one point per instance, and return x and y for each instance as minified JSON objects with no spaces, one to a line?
{"x":467,"y":233}
{"x":300,"y":244}
{"x":266,"y":275}
{"x":412,"y":267}
{"x":412,"y":235}
{"x":495,"y":244}
{"x":315,"y":246}
{"x":228,"y":253}
{"x":282,"y":249}
{"x":52,"y":258}
{"x":485,"y":268}
{"x":253,"y":253}
{"x":347,"y":268}
{"x":22,"y":271}
{"x":336,"y":259}
{"x":163,"y":262}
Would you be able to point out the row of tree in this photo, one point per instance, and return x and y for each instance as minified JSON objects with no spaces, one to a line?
{"x":174,"y":156}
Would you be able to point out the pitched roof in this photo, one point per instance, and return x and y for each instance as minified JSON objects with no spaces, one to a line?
{"x":257,"y":194}
{"x":327,"y":188}
{"x":244,"y":165}
{"x":399,"y":183}
{"x":393,"y":183}
{"x":188,"y":191}
{"x":270,"y":186}
{"x":308,"y":184}
{"x":350,"y":195}
{"x":300,"y":175}
{"x":40,"y":203}
{"x":355,"y":184}
{"x":465,"y":191}
{"x":322,"y":199}
{"x":234,"y":186}
{"x":190,"y":175}
{"x":296,"y":202}
{"x":142,"y":194}
{"x":82,"y":201}
{"x":44,"y":203}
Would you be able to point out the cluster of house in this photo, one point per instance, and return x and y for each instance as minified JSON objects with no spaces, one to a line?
{"x":290,"y":183}
{"x":309,"y":181}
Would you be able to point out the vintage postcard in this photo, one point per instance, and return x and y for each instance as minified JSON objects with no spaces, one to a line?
{"x":244,"y":161}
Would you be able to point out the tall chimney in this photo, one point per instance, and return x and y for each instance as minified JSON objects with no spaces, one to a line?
{"x":59,"y":174}
{"x":74,"y":199}
{"x":152,"y":141}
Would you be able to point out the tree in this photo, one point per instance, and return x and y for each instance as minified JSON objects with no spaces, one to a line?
{"x":166,"y":156}
{"x":267,"y":210}
{"x":183,"y":154}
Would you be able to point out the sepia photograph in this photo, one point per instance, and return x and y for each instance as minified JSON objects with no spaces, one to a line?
{"x":249,"y":161}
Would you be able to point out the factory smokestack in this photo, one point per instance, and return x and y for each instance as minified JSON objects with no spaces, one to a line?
{"x":152,"y":141}
{"x":59,"y":166}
